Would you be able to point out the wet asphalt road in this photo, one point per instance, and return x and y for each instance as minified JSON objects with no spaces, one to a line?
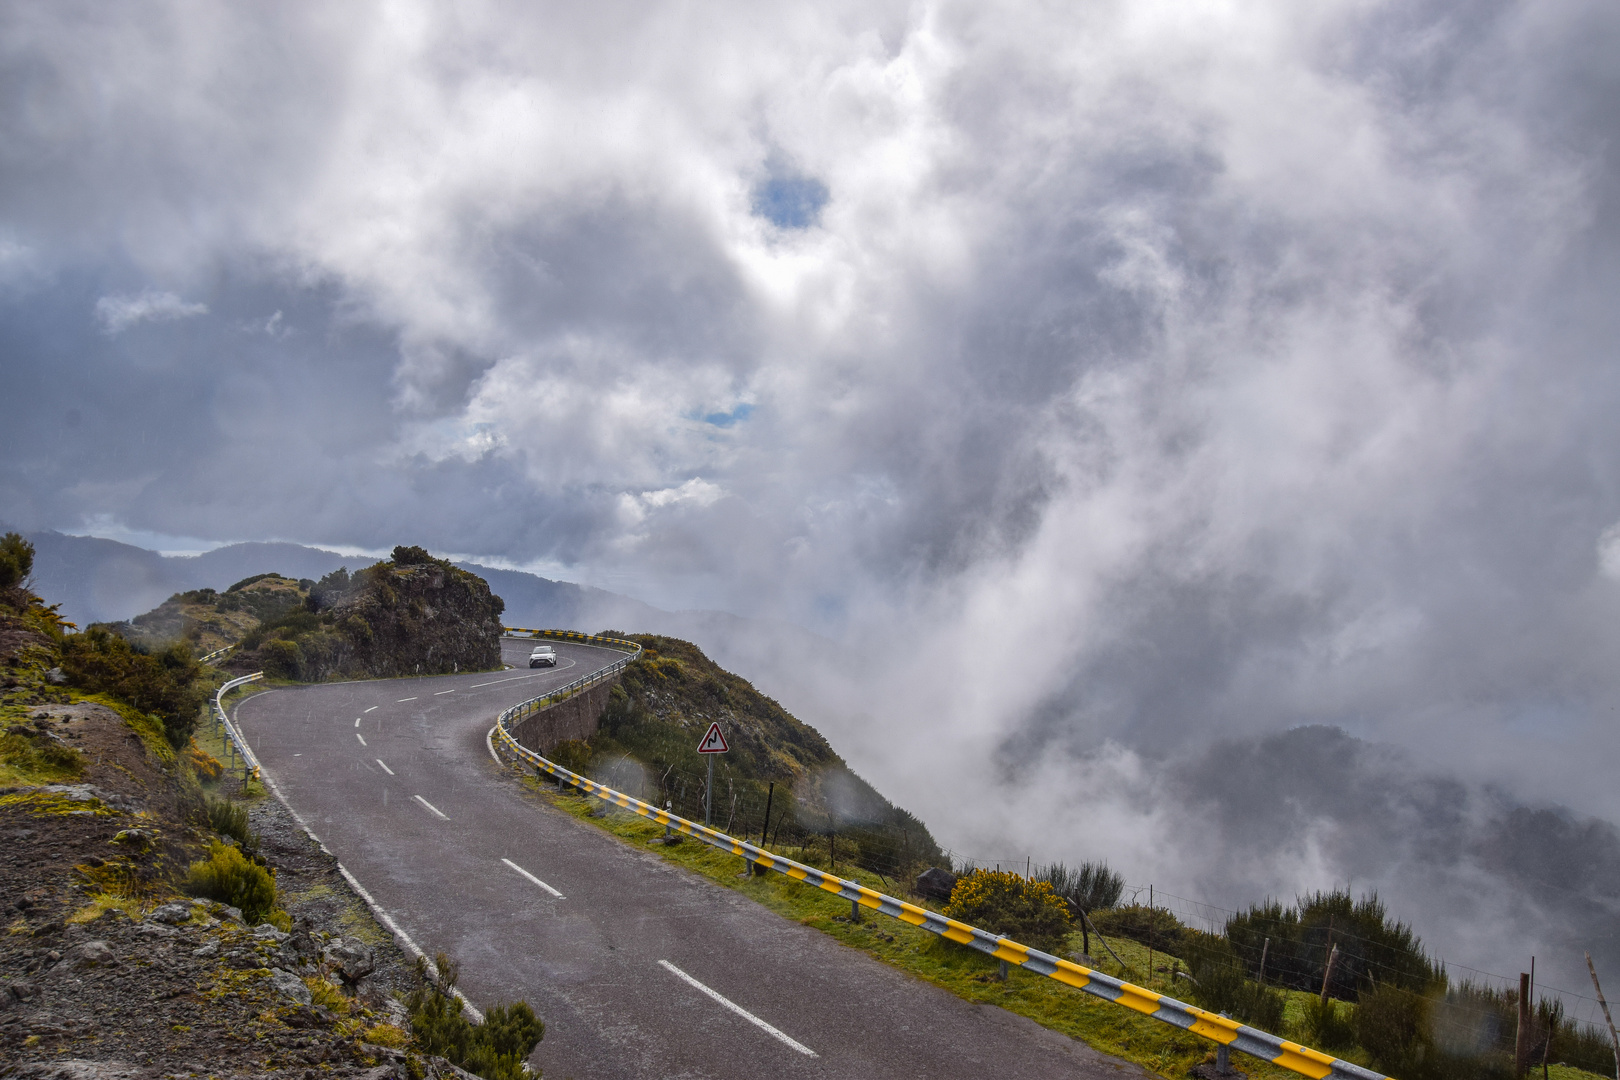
{"x":395,"y":778}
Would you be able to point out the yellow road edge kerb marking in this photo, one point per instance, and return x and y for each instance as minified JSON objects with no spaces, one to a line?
{"x":1162,"y":1007}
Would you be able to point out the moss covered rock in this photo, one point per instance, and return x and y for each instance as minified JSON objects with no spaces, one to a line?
{"x":410,"y":615}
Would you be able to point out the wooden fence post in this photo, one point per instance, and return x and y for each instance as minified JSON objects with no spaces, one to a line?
{"x":1521,"y":1039}
{"x":1327,"y":975}
{"x":1612,"y":1036}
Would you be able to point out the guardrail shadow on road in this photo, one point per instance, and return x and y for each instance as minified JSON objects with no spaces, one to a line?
{"x":1221,"y":1030}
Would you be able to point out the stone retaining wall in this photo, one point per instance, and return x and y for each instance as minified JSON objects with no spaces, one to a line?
{"x":575,"y":718}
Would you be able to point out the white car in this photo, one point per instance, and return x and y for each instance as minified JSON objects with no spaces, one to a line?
{"x":543,"y":656}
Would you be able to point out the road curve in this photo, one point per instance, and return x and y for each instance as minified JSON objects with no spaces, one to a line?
{"x":639,"y":968}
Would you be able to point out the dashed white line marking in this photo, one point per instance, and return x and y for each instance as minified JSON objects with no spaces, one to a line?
{"x":372,"y":709}
{"x":519,"y":678}
{"x":515,"y":678}
{"x":532,"y":878}
{"x":361,"y":737}
{"x":431,"y":807}
{"x":376,"y":909}
{"x":742,"y":1012}
{"x":404,"y":699}
{"x":357,"y":721}
{"x":385,"y":768}
{"x":441,"y":693}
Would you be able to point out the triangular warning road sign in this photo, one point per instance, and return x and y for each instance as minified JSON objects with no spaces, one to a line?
{"x":713,"y":742}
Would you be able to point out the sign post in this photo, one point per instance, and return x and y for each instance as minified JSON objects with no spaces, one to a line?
{"x":714,"y":742}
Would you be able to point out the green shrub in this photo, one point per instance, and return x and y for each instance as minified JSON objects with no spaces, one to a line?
{"x":495,"y":1049}
{"x":232,"y":878}
{"x":330,"y":589}
{"x":231,"y":819}
{"x":1223,"y":986}
{"x":326,"y":994}
{"x":1089,"y":887}
{"x":1152,"y":926}
{"x":1092,"y":887}
{"x":1330,"y":1026}
{"x":245,"y":582}
{"x":1371,"y":944}
{"x":168,"y":682}
{"x":1392,"y":1025}
{"x":16,"y":560}
{"x":41,"y":757}
{"x":282,"y":659}
{"x":573,"y":755}
{"x":1012,"y":906}
{"x":1578,"y":1045}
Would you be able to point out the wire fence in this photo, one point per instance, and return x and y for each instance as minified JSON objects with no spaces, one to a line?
{"x":799,"y":821}
{"x":1553,"y":1005}
{"x":776,"y":815}
{"x":773,"y":816}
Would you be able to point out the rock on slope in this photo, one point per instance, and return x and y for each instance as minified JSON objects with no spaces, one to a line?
{"x":104,"y":968}
{"x":411,"y":615}
{"x":105,"y":971}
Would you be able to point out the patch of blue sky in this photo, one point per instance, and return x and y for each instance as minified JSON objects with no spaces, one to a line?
{"x":729,"y":419}
{"x":790,"y":202}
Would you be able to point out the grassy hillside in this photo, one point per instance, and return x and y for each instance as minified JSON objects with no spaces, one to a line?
{"x":647,"y":746}
{"x":207,"y":620}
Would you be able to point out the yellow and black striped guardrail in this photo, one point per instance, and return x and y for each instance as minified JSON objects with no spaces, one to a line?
{"x":1223,"y":1031}
{"x":217,"y":654}
{"x":250,"y":760}
{"x":575,"y":635}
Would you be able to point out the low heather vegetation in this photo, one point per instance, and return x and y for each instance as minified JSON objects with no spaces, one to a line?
{"x":780,"y":781}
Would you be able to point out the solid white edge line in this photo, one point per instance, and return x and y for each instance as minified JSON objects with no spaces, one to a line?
{"x":534,"y":879}
{"x":361,"y":737}
{"x":382,"y":916}
{"x":372,"y":709}
{"x":431,"y":807}
{"x":385,"y":768}
{"x":742,"y":1012}
{"x":489,"y":741}
{"x":405,"y":939}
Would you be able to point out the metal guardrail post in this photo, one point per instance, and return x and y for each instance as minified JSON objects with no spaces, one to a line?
{"x":234,"y":739}
{"x":1228,"y":1034}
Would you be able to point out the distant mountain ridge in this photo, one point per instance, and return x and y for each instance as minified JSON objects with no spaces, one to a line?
{"x":98,"y":580}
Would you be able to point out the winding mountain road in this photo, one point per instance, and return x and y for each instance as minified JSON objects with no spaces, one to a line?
{"x":639,"y":968}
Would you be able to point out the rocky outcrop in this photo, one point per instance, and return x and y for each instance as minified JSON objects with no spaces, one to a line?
{"x":422,"y":615}
{"x":411,"y":615}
